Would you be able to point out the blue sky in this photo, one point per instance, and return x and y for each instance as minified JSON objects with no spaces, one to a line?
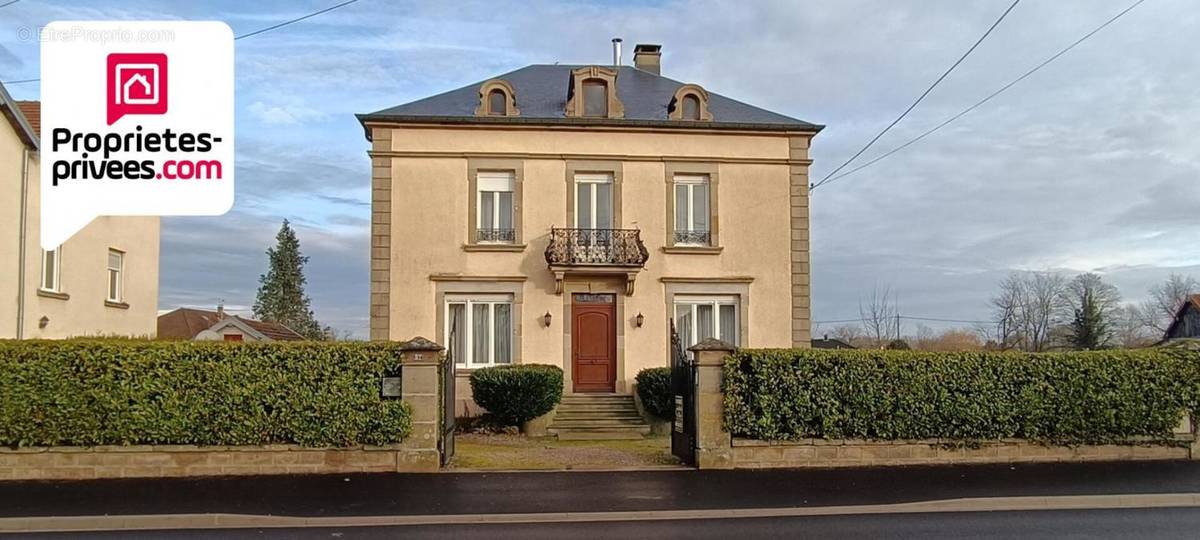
{"x":1090,"y":164}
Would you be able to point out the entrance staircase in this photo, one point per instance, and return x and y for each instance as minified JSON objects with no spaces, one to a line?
{"x":598,"y":417}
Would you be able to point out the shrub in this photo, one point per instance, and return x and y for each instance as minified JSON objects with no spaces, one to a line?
{"x":517,"y":393}
{"x":121,"y":392}
{"x":1062,"y":398}
{"x":654,"y":387}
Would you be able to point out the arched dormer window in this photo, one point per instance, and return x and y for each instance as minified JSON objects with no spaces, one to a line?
{"x":690,"y":104}
{"x":497,"y":98}
{"x":593,"y":93}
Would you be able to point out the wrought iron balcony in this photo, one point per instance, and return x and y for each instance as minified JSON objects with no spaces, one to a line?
{"x":506,"y":236}
{"x":596,"y":247}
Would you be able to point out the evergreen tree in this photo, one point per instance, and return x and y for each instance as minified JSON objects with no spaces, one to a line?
{"x":1089,"y":330}
{"x":281,"y":297}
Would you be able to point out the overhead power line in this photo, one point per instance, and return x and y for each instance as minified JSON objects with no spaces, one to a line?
{"x":243,"y":36}
{"x":926,"y":92}
{"x":9,"y":3}
{"x":907,"y":317}
{"x":984,"y":100}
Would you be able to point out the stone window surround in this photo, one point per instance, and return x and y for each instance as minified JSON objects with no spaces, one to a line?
{"x":474,"y":167}
{"x":455,"y":285}
{"x":712,"y":171}
{"x":485,"y":92}
{"x":575,"y":98}
{"x":615,"y":168}
{"x":733,"y":286}
{"x":675,"y":108}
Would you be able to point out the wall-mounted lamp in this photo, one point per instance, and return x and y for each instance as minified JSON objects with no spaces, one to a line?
{"x":43,"y":322}
{"x":639,"y":320}
{"x":546,"y":319}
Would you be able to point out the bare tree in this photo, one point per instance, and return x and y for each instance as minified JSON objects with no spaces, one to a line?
{"x":880,"y":316}
{"x":849,"y":333}
{"x":1028,"y":306}
{"x":1129,"y":328}
{"x":1165,"y":300}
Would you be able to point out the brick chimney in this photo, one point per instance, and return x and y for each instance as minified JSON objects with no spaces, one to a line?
{"x":647,"y":57}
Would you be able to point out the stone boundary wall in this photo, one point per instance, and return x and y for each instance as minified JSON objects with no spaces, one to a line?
{"x":76,"y":463}
{"x":752,"y":454}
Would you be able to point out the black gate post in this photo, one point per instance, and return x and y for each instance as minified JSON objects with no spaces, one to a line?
{"x":447,"y":392}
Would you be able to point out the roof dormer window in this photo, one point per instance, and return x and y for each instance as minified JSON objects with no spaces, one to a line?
{"x":593,"y":94}
{"x":497,"y":98}
{"x":690,"y":104}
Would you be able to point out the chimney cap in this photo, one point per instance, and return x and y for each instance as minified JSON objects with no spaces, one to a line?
{"x":647,"y":48}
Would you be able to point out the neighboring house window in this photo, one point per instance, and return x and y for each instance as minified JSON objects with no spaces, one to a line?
{"x":116,"y":274}
{"x":692,"y":210}
{"x":701,"y":317}
{"x":494,"y":222}
{"x":233,"y":337}
{"x":691,"y":107}
{"x":595,"y":98}
{"x":497,"y":102}
{"x":593,"y":201}
{"x":479,"y":330}
{"x":51,"y":269}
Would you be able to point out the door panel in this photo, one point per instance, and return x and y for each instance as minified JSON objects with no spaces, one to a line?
{"x":593,"y":345}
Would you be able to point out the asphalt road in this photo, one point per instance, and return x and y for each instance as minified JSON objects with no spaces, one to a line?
{"x":1059,"y":525}
{"x":476,"y":493}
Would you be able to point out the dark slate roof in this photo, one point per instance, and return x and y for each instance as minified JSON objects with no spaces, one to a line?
{"x":541,"y":93}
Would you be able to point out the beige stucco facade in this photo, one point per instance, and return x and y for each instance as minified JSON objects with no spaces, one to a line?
{"x":422,"y":249}
{"x":80,"y":306}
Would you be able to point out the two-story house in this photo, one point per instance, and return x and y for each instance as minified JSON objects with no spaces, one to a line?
{"x":103,"y":281}
{"x":567,"y":214}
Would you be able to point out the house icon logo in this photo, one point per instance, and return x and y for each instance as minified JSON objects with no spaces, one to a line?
{"x":137,"y":84}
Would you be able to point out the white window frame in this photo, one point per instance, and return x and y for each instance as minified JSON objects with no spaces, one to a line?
{"x":119,"y":270}
{"x":465,"y":358}
{"x":55,"y":287}
{"x":716,"y":301}
{"x":594,"y":179}
{"x":691,"y":181}
{"x":495,"y":182}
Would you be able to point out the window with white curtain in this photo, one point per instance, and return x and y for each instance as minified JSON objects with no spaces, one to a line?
{"x":593,"y":201}
{"x":51,"y":269}
{"x":700,"y":317}
{"x":479,"y":329}
{"x":494,"y":200}
{"x":692,"y":209}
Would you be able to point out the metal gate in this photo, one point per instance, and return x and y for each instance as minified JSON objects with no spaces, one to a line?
{"x":446,"y":387}
{"x":683,"y":385}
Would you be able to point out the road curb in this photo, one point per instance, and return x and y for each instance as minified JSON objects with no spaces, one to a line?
{"x":240,"y":521}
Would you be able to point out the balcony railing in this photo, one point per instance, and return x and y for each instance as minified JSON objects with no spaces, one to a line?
{"x":692,"y":238}
{"x":597,"y":247}
{"x":506,"y":236}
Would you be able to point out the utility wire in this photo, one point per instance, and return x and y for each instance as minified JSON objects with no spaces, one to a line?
{"x":907,"y":317}
{"x":243,"y":36}
{"x":296,"y":20}
{"x":925,"y":93}
{"x":11,"y":2}
{"x":982,"y":101}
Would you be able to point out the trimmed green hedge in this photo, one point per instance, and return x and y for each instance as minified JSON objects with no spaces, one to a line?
{"x":517,"y":393}
{"x":97,"y":392}
{"x":1061,"y":398}
{"x":654,"y":387}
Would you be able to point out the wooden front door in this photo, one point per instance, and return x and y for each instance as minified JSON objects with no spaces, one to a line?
{"x":594,"y":342}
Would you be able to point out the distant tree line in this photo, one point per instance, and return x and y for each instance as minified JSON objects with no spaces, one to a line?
{"x":1033,"y":311}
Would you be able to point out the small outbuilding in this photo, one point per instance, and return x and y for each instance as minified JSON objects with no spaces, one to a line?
{"x":205,"y":325}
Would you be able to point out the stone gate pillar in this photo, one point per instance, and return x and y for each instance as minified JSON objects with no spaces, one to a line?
{"x":714,"y":445}
{"x":420,"y":360}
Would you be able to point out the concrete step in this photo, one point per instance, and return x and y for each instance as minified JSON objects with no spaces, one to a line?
{"x":600,"y":434}
{"x":560,"y":417}
{"x":597,"y":410}
{"x":572,"y":424}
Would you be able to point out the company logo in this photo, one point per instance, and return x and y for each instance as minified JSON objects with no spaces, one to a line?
{"x":173,"y":156}
{"x":137,"y":84}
